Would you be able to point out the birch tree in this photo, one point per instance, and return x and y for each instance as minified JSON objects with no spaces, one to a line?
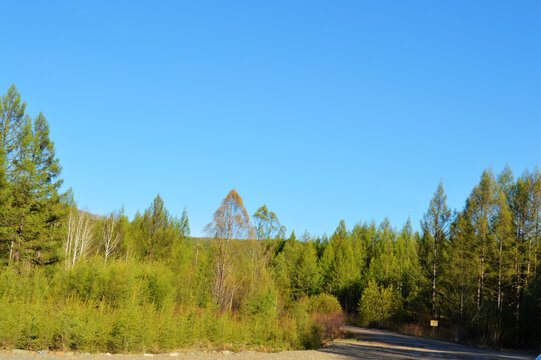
{"x":79,"y":237}
{"x":110,"y":236}
{"x":230,"y":222}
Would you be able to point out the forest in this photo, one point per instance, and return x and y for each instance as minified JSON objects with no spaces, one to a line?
{"x":73,"y":280}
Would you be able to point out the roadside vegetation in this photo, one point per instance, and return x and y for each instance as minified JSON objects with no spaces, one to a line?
{"x":72,"y":280}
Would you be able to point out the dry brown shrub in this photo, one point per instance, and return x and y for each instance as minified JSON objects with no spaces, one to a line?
{"x":331,"y":325}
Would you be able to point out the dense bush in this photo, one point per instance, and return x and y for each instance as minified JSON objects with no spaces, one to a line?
{"x":378,"y":304}
{"x":327,"y":313}
{"x":130,"y":307}
{"x":324,"y":303}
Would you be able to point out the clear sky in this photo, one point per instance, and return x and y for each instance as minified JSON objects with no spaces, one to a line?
{"x":322,"y":110}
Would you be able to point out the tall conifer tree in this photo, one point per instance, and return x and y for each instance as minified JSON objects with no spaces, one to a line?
{"x":435,"y":225}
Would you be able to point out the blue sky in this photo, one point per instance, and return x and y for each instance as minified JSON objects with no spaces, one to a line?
{"x":321,"y":110}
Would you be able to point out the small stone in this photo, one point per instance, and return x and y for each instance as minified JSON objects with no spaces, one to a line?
{"x":227,"y":352}
{"x":173,"y":354}
{"x":108,"y":354}
{"x":42,"y":352}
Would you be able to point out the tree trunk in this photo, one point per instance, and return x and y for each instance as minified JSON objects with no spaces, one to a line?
{"x":434,"y":276}
{"x":500,"y":278}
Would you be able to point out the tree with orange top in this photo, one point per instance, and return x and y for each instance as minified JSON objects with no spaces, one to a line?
{"x":230,"y":222}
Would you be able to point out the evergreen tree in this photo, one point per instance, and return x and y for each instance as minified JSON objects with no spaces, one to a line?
{"x":523,"y":208}
{"x":502,"y":231}
{"x":360,"y":246}
{"x":506,"y":183}
{"x":38,"y":205}
{"x":409,"y":271}
{"x":459,"y":280}
{"x":6,"y":211}
{"x":341,"y":276}
{"x":435,"y":226}
{"x":481,"y":209}
{"x":302,"y":268}
{"x":13,"y":126}
{"x":503,"y":236}
{"x":154,"y":231}
{"x":384,"y":268}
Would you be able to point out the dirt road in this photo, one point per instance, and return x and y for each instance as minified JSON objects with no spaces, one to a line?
{"x":377,"y":344}
{"x":371,"y":344}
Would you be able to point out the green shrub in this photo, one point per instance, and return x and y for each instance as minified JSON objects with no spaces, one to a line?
{"x":378,"y":304}
{"x":261,"y":303}
{"x":324,"y":303}
{"x":134,"y":307}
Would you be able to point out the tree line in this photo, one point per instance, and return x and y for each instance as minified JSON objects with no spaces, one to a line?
{"x":474,"y":270}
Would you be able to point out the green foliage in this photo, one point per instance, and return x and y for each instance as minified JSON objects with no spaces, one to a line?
{"x":341,"y":269}
{"x":31,"y":206}
{"x":130,"y":307}
{"x":262,"y":303}
{"x":155,"y":231}
{"x":267,"y":225}
{"x":145,"y":285}
{"x":6,"y":210}
{"x":302,"y":268}
{"x":324,"y":303}
{"x":379,"y":304}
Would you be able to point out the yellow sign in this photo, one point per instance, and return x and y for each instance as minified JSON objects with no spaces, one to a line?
{"x":434,"y":323}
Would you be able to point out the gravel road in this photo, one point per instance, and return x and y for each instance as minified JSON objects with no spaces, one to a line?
{"x":370,"y":344}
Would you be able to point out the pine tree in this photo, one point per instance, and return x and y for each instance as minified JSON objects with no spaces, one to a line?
{"x":459,"y":280}
{"x":384,"y":268}
{"x":302,"y":268}
{"x":341,"y":276}
{"x":435,"y":225}
{"x":6,"y":211}
{"x":502,"y":231}
{"x":481,"y":209}
{"x":409,"y":274}
{"x":523,"y":208}
{"x":360,"y":246}
{"x":38,"y":205}
{"x":154,"y":231}
{"x":13,"y":125}
{"x":506,"y":183}
{"x":503,"y":236}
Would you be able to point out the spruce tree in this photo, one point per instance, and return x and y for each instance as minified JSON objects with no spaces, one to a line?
{"x":37,"y":203}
